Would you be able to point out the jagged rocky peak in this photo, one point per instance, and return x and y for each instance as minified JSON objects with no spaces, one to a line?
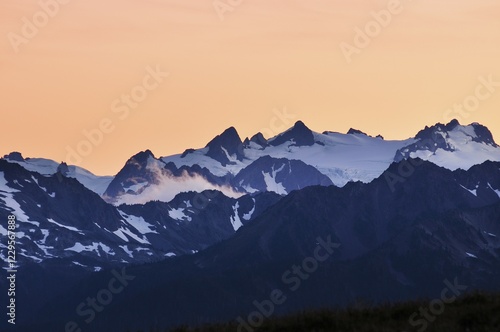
{"x":135,"y":171}
{"x":229,"y":138}
{"x":141,"y":157}
{"x":429,"y":132}
{"x":353,"y":131}
{"x":452,"y":124}
{"x":299,"y":135}
{"x":259,"y":139}
{"x":14,"y":156}
{"x":225,"y":146}
{"x":479,"y":133}
{"x":63,"y":168}
{"x":449,"y":137}
{"x":483,"y":134}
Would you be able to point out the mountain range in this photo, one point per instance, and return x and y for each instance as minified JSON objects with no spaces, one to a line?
{"x":208,"y":232}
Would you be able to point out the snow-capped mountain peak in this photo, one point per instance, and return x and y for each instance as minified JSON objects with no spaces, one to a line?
{"x":475,"y":131}
{"x":452,"y":145}
{"x":47,"y":167}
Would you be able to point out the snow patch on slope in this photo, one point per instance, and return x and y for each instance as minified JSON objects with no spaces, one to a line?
{"x":495,"y":190}
{"x":248,"y":215}
{"x":272,"y":184}
{"x":127,"y":251}
{"x":473,"y":192}
{"x":78,"y":247}
{"x":235,"y":220}
{"x":7,"y":196}
{"x":64,"y":226}
{"x":178,"y":214}
{"x":470,"y":255}
{"x":138,"y":223}
{"x":3,"y":231}
{"x":122,"y":233}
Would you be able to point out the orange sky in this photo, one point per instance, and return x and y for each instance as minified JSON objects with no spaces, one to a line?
{"x":265,"y":55}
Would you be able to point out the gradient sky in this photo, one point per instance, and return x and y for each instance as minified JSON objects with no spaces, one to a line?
{"x":266,"y":55}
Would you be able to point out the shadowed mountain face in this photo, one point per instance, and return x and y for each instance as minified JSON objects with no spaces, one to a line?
{"x":59,"y":218}
{"x":298,"y":135}
{"x":379,"y":243}
{"x":224,"y":146}
{"x":279,"y":175}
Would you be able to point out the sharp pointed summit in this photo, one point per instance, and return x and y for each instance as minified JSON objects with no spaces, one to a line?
{"x":139,"y":171}
{"x":226,"y":147}
{"x":298,"y":135}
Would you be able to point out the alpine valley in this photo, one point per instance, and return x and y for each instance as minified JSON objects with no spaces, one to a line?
{"x":202,"y":236}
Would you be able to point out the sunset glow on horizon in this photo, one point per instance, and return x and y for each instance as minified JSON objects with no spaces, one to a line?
{"x":168,"y":75}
